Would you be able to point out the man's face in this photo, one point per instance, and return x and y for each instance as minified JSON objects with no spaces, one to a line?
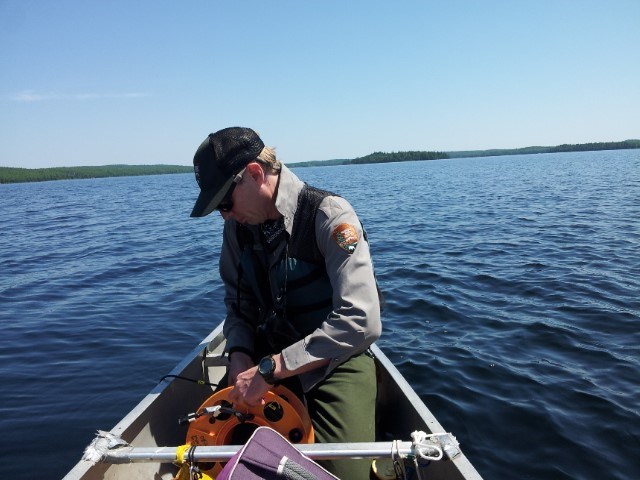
{"x":250,"y":199}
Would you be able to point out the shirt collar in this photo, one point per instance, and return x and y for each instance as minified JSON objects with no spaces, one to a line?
{"x":289,"y":188}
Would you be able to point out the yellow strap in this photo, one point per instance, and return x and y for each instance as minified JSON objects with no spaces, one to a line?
{"x":180,"y":453}
{"x":183,"y":473}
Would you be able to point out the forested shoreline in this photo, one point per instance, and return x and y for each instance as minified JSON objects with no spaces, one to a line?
{"x":579,"y":147}
{"x":381,"y":157}
{"x":20,"y":175}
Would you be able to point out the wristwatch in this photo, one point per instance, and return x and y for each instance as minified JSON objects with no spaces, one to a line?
{"x":266,"y":369}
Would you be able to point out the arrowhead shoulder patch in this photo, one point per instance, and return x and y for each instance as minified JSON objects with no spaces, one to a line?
{"x":346,"y":237}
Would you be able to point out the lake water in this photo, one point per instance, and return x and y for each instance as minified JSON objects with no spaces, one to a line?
{"x":512,"y":287}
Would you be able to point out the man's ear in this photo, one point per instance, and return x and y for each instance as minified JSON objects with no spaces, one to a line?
{"x":256,"y":172}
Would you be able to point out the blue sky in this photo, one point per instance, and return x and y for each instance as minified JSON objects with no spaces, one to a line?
{"x":140,"y":82}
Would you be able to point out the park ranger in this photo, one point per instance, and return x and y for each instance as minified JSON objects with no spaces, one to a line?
{"x":301,"y":297}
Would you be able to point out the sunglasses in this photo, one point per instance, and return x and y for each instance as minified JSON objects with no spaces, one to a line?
{"x":226,"y":204}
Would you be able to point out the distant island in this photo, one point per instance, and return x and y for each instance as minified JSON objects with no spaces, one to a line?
{"x":19,"y":175}
{"x":376,"y":157}
{"x":580,"y":147}
{"x":380,"y":157}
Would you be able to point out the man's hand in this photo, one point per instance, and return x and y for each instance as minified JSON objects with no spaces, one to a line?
{"x":238,"y":363}
{"x":249,"y":389}
{"x":248,"y":385}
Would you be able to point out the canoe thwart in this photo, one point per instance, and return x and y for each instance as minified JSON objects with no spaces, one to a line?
{"x":110,"y":448}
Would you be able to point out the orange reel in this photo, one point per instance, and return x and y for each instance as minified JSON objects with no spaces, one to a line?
{"x":282,"y":411}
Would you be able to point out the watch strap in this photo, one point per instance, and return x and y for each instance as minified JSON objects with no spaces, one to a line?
{"x":268,"y":373}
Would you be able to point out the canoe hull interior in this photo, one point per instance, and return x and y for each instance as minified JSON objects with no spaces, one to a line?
{"x":154,"y":421}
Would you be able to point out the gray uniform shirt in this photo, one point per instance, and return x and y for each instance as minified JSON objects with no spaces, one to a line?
{"x":353,"y":324}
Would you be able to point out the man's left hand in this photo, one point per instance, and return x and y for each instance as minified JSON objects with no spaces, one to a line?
{"x":249,"y":388}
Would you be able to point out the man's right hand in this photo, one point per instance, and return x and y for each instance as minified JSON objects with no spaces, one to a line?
{"x":239,"y":362}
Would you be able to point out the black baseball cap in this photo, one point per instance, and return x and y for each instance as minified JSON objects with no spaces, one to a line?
{"x":218,"y":159}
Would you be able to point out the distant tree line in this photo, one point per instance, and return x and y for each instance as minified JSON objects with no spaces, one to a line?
{"x":382,"y":157}
{"x":320,"y":163}
{"x":376,"y":157}
{"x":18,"y":175}
{"x":581,"y":147}
{"x":588,"y":147}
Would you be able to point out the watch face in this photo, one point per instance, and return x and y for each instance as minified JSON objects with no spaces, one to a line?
{"x":266,"y":366}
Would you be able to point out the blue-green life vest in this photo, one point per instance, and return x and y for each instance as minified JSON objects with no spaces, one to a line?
{"x":287,"y":275}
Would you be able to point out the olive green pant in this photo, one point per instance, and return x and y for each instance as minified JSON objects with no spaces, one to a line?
{"x":342,"y":409}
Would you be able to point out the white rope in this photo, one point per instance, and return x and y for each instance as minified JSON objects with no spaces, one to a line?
{"x":398,"y":461}
{"x":100,"y":446}
{"x":424,"y":448}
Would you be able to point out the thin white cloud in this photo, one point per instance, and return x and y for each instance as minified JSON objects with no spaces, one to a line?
{"x":29,"y":96}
